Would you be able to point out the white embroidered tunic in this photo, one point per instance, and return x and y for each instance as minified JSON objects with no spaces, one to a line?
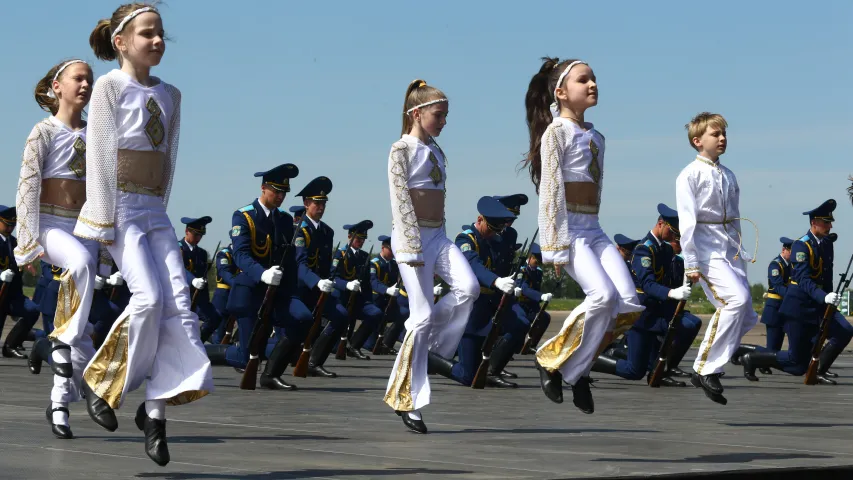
{"x":53,"y":150}
{"x":125,"y":115}
{"x":708,"y":200}
{"x":569,"y":154}
{"x":412,"y":165}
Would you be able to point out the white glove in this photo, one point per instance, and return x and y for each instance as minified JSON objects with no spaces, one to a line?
{"x":517,"y":292}
{"x":7,"y":276}
{"x":326,"y":285}
{"x":680,"y":293}
{"x":437,"y":290}
{"x":99,"y":282}
{"x":546,"y":297}
{"x":354,"y":286}
{"x":115,"y":280}
{"x":831,"y":298}
{"x":200,"y":283}
{"x":505,"y":284}
{"x":392,"y":291}
{"x":271,"y":276}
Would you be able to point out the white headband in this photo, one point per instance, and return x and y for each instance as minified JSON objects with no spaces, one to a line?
{"x":127,"y":19}
{"x":426,"y":104}
{"x":58,"y":72}
{"x":555,"y":107}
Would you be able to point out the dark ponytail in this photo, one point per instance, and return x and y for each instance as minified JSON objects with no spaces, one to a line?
{"x":101,"y":39}
{"x":45,"y":85}
{"x":418,"y":93}
{"x":540,"y":95}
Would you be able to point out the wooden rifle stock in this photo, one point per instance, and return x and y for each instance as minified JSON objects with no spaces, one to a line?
{"x":657,"y":375}
{"x":258,"y":344}
{"x":229,"y":330}
{"x":536,"y":331}
{"x":479,"y":381}
{"x":811,"y":372}
{"x":301,"y":368}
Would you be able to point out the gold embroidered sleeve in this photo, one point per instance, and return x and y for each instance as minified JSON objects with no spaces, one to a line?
{"x":407,"y":235}
{"x":29,"y":193}
{"x":553,"y":220}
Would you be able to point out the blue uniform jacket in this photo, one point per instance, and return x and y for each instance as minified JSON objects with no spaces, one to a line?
{"x":383,"y":274}
{"x":479,"y":253}
{"x":811,"y":279}
{"x":226,"y":270}
{"x":257,"y":241}
{"x":652,"y":264}
{"x":351,"y":265}
{"x":313,"y":253}
{"x":531,"y":283}
{"x":195,"y":262}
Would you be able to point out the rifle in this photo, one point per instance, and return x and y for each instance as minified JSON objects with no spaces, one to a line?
{"x":301,"y":368}
{"x":229,"y":330}
{"x":341,"y":354}
{"x":534,"y":335}
{"x":479,"y":381}
{"x":811,"y":373}
{"x":666,"y":346}
{"x":206,"y":271}
{"x":258,"y":340}
{"x":377,"y":347}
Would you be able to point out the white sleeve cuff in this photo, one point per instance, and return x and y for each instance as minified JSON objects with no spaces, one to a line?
{"x":413,"y":259}
{"x":22,"y":259}
{"x":558,"y":257}
{"x":105,"y":235}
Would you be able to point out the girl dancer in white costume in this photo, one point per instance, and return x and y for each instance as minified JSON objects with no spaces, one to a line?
{"x":566,"y":163}
{"x":416,"y":177}
{"x":51,"y":191}
{"x":134,"y":123}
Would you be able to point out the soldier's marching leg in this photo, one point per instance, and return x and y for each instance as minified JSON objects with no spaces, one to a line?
{"x":276,"y":364}
{"x":795,"y":360}
{"x":501,"y":353}
{"x":840,"y":333}
{"x":296,"y":318}
{"x":325,"y":343}
{"x":370,"y":317}
{"x":470,"y":353}
{"x":759,"y":358}
{"x":28,"y":311}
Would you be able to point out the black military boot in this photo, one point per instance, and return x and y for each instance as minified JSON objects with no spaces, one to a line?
{"x":14,"y":340}
{"x":501,"y":353}
{"x":710,"y":384}
{"x":99,"y":410}
{"x":40,"y":353}
{"x":155,"y":436}
{"x":676,"y":354}
{"x":742,"y":350}
{"x":276,"y":364}
{"x":827,"y":356}
{"x":320,"y":352}
{"x":216,"y":353}
{"x":358,"y":338}
{"x":758,"y":359}
{"x":392,"y":333}
{"x":436,"y":364}
{"x":551,"y":383}
{"x":604,"y":364}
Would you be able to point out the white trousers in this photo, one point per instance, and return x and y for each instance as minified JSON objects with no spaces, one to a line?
{"x":157,"y":337}
{"x":76,"y":286}
{"x":430,"y":327}
{"x":727,"y":288}
{"x":599,"y":269}
{"x":80,"y":258}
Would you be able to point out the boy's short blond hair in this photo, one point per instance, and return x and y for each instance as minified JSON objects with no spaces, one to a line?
{"x":696,"y":128}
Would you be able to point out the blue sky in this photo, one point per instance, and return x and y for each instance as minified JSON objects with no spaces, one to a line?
{"x":321,"y":85}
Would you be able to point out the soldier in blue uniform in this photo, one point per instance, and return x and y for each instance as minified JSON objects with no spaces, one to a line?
{"x":475,"y":244}
{"x":47,"y":299}
{"x":195,"y":264}
{"x":314,"y":245}
{"x":226,"y":270}
{"x":809,"y":293}
{"x":778,"y":278}
{"x":529,"y":295}
{"x":352,"y":287}
{"x":298,"y":211}
{"x":16,"y":304}
{"x":619,"y":346}
{"x":651,"y":265}
{"x":386,"y":284}
{"x":504,"y":244}
{"x":261,"y":233}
